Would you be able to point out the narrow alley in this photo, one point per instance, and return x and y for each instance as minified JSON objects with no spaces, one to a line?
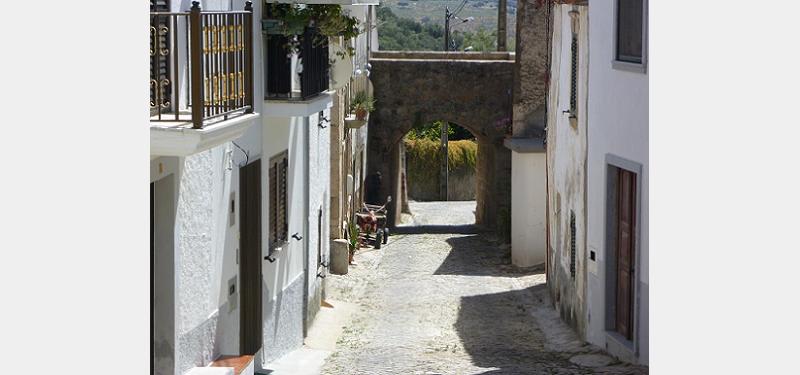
{"x":443,"y":298}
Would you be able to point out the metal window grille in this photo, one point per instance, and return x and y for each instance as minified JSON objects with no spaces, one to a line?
{"x":573,"y":91}
{"x":278,"y":228}
{"x":572,"y":235}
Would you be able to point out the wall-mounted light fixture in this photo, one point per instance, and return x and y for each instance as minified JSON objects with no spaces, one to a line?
{"x":575,"y":21}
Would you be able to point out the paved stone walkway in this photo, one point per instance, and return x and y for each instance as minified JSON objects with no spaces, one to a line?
{"x":449,"y":302}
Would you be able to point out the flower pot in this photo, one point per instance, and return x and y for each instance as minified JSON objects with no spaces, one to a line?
{"x":353,"y":123}
{"x":361,"y":114}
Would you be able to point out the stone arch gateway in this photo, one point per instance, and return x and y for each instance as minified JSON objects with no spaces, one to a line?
{"x":471,"y":89}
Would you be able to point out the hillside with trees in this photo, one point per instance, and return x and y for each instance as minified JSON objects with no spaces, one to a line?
{"x":397,"y":33}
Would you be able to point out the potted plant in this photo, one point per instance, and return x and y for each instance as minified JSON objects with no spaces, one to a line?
{"x":362,"y":104}
{"x":353,"y":234}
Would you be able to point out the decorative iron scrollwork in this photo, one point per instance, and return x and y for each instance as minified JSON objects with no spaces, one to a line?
{"x":164,"y":101}
{"x":154,"y":87}
{"x":154,"y":36}
{"x":158,"y":88}
{"x":163,"y":31}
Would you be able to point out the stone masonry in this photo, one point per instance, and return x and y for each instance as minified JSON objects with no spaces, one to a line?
{"x":472,"y":90}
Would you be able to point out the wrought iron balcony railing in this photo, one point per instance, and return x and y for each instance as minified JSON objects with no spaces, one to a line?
{"x":311,"y":65}
{"x":201,"y":65}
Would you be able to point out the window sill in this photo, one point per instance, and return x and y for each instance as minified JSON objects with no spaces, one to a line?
{"x":628,"y":66}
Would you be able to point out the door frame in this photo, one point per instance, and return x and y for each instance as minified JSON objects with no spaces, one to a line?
{"x":242,"y":283}
{"x":612,"y":164}
{"x":164,"y":201}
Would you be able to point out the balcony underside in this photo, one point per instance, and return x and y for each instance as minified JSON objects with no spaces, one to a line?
{"x":178,"y":138}
{"x":298,"y":107}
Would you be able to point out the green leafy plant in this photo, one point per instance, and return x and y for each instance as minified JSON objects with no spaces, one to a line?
{"x":329,"y":20}
{"x":362,"y":104}
{"x":352,"y":234}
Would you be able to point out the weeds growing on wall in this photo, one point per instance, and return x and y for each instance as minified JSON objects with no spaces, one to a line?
{"x":424,"y":158}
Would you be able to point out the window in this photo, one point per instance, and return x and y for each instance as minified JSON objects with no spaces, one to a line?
{"x":278,"y":227}
{"x":572,"y":234}
{"x":630,"y":31}
{"x":573,"y":91}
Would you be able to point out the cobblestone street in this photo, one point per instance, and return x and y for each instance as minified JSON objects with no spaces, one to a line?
{"x":443,"y":298}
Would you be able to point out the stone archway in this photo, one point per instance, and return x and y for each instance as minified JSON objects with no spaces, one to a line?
{"x":472,"y":90}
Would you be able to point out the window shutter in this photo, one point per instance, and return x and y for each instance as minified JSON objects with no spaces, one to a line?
{"x":273,"y":205}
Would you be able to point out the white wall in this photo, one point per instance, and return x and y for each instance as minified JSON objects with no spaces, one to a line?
{"x":618,"y":125}
{"x":318,"y":198}
{"x":566,"y":158}
{"x":528,"y":224}
{"x":207,"y":319}
{"x":282,"y":134}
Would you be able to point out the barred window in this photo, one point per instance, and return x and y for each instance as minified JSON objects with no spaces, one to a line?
{"x":572,"y":235}
{"x":278,"y":227}
{"x":573,"y":91}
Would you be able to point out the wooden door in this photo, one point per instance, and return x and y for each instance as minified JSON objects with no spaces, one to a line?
{"x":250,"y":323}
{"x":626,"y":219}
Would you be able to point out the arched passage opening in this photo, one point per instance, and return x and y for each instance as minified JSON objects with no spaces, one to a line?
{"x":433,"y":172}
{"x":471,"y":90}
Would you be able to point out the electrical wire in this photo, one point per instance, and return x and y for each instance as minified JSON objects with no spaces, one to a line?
{"x":246,"y":155}
{"x":460,"y":8}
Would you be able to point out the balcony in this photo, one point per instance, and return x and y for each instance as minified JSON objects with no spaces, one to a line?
{"x":298,"y":82}
{"x":329,"y":2}
{"x":201,"y":78}
{"x":299,"y":75}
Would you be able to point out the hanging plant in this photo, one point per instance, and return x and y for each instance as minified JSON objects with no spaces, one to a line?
{"x":329,"y":20}
{"x":362,"y":104}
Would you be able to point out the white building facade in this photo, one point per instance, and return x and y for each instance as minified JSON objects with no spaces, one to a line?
{"x":240,"y":197}
{"x":566,"y":162}
{"x":617,"y":189}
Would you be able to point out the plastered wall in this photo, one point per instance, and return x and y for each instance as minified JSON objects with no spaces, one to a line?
{"x":566,"y":170}
{"x":618,"y":125}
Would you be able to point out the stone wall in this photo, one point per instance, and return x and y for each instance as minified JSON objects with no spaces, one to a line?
{"x":471,"y":90}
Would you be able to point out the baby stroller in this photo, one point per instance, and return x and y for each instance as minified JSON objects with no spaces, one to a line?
{"x":372,"y":219}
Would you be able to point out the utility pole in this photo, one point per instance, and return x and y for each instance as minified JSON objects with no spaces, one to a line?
{"x":443,"y":172}
{"x":502,"y":37}
{"x":445,"y":127}
{"x":446,"y":28}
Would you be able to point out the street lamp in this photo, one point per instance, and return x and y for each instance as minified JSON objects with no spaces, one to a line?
{"x":447,"y":17}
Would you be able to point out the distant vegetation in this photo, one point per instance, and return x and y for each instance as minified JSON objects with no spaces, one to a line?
{"x":427,"y":34}
{"x":432,"y":131}
{"x":423,"y":163}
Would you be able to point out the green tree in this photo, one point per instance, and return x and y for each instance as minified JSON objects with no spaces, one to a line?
{"x":480,"y":40}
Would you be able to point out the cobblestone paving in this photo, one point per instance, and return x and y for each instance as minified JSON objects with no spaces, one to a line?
{"x":451,"y":303}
